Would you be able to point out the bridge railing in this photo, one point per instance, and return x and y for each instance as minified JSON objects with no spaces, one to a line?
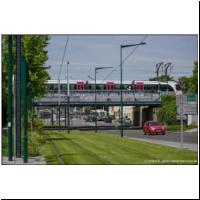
{"x":102,"y":97}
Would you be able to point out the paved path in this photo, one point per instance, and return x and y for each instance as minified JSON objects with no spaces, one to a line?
{"x":38,"y":160}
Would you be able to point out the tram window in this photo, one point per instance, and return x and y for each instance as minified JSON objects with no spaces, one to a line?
{"x":170,"y":88}
{"x":117,"y":87}
{"x":71,"y":86}
{"x":64,"y":87}
{"x":178,"y":87}
{"x":50,"y":88}
{"x":163,"y":88}
{"x":55,"y":87}
{"x":92,"y":86}
{"x":98,"y":87}
{"x":147,"y":87}
{"x":88,"y":87}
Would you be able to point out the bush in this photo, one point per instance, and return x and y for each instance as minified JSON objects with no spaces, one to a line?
{"x":167,"y":113}
{"x":4,"y":145}
{"x":177,"y":127}
{"x":37,"y":124}
{"x":34,"y":140}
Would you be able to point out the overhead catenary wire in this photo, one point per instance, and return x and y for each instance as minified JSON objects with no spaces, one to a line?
{"x":116,"y":68}
{"x":66,"y":44}
{"x":62,"y":61}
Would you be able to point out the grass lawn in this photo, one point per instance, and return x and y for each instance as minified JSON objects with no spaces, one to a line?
{"x":99,"y":148}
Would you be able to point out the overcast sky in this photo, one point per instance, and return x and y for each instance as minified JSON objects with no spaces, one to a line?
{"x":85,"y":52}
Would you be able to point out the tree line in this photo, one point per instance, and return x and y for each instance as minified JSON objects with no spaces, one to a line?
{"x":33,"y":50}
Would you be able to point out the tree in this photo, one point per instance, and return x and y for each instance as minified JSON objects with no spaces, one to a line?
{"x":167,"y":113}
{"x":185,"y":83}
{"x":33,"y":50}
{"x":162,"y":78}
{"x":190,"y":84}
{"x":194,"y":78}
{"x":36,"y":55}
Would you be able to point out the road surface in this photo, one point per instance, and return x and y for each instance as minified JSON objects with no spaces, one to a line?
{"x":190,"y":139}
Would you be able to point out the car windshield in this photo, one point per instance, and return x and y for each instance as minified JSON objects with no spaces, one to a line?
{"x":154,"y":123}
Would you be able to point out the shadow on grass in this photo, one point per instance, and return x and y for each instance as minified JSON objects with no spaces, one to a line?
{"x":57,"y":139}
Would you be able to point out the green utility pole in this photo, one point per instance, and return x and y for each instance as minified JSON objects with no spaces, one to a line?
{"x":68,"y":100}
{"x":121,"y":94}
{"x":95,"y":98}
{"x":121,"y":85}
{"x":95,"y":94}
{"x":24,"y":94}
{"x":10,"y":111}
{"x":18,"y":97}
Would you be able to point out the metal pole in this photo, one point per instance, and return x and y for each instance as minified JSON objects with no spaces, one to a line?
{"x":68,"y":100}
{"x":59,"y":104}
{"x":181,"y":102}
{"x":95,"y":101}
{"x":121,"y":95}
{"x":65,"y":117}
{"x":157,"y":74}
{"x":18,"y":96}
{"x":14,"y":119}
{"x":10,"y":108}
{"x":59,"y":117}
{"x":167,"y":65}
{"x":24,"y":94}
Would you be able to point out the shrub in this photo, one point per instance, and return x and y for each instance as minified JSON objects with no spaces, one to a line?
{"x":167,"y":113}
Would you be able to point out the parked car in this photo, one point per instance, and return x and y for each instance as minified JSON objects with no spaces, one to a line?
{"x":154,"y":127}
{"x":87,"y":118}
{"x":93,"y":118}
{"x":126,"y":121}
{"x":108,"y":119}
{"x":90,"y":118}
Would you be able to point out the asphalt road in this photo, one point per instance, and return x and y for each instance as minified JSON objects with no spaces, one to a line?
{"x":190,"y":139}
{"x":170,"y":136}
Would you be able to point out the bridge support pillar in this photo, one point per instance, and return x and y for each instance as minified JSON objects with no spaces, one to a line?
{"x":147,"y":114}
{"x":140,"y":115}
{"x":136,"y":116}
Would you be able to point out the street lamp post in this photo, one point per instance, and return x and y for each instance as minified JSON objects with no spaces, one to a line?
{"x":121,"y":77}
{"x":95,"y":76}
{"x":68,"y":99}
{"x":10,"y":101}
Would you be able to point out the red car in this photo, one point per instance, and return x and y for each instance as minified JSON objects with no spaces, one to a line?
{"x":154,"y":127}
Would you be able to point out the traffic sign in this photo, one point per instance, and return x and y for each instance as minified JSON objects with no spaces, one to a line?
{"x":191,"y":97}
{"x":189,"y":107}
